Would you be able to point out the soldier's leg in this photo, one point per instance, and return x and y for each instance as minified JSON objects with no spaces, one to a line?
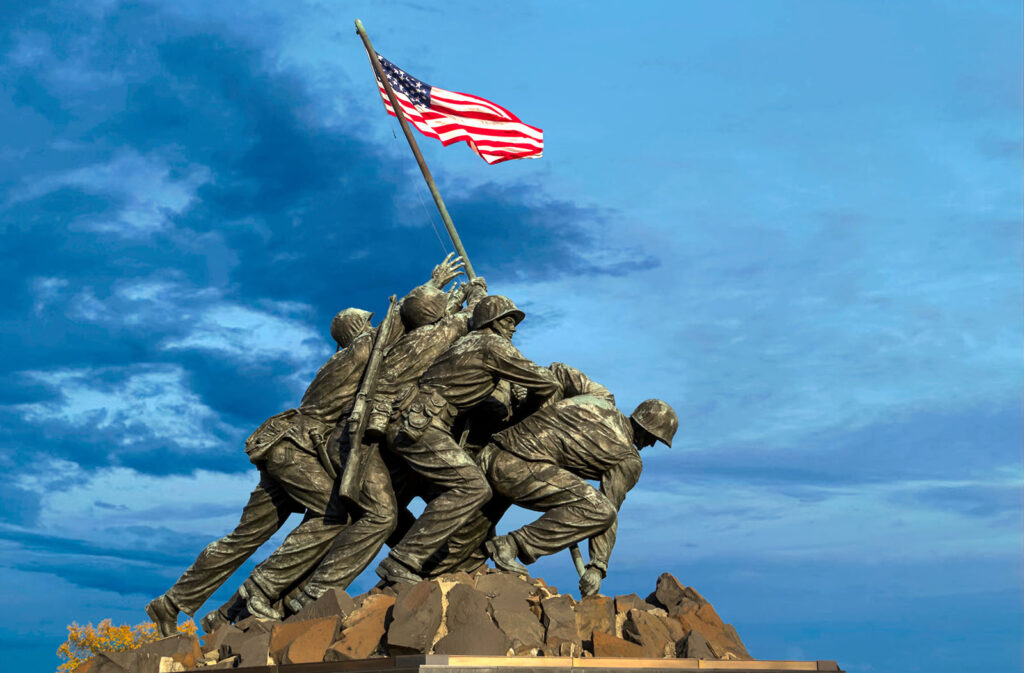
{"x":268,"y":508}
{"x":573,"y":509}
{"x":407,"y":486}
{"x":357,"y":544}
{"x":464,"y":550}
{"x":442,"y":464}
{"x":303,"y":477}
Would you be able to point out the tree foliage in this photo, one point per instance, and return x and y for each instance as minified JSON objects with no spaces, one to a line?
{"x":86,"y":641}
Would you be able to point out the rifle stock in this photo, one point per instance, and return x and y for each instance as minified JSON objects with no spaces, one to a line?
{"x":355,"y":463}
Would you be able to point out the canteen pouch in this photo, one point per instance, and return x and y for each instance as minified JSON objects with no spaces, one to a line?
{"x":259,"y":443}
{"x":380,"y":414}
{"x":429,"y":408}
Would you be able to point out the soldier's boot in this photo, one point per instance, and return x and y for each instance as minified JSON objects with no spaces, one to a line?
{"x":213,"y":621}
{"x":232,"y":611}
{"x":298,"y":600}
{"x":258,"y":602}
{"x":164,"y":614}
{"x":503,"y":549}
{"x":393,"y":572}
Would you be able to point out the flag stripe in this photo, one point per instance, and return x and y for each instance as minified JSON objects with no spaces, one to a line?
{"x":491,"y":131}
{"x":454,"y":97}
{"x":496,"y":128}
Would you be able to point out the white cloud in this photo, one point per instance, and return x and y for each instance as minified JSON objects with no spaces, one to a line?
{"x":151,"y":189}
{"x":46,"y":292}
{"x":252,"y":335}
{"x":141,"y":402}
{"x":155,"y":301}
{"x":76,"y":502}
{"x":270,"y":331}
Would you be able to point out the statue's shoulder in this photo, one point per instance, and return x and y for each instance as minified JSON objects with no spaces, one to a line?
{"x":481,"y":340}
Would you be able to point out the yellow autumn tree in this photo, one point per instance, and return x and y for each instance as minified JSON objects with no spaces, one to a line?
{"x":86,"y":641}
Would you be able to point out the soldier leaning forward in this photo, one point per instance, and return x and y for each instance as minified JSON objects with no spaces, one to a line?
{"x":288,"y":449}
{"x":295,"y":474}
{"x":542,"y":464}
{"x":462,"y":377}
{"x":431,"y":329}
{"x":309,"y":542}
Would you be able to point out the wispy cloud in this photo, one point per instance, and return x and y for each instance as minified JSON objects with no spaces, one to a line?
{"x":252,"y":335}
{"x":150,"y":191}
{"x":140,"y":403}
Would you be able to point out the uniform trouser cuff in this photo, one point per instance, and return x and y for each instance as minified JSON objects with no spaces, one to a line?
{"x":261,"y":584}
{"x":524,"y":553}
{"x":178,"y":603}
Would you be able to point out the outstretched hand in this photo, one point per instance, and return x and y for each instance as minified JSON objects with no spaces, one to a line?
{"x":590,"y":582}
{"x":446,"y":271}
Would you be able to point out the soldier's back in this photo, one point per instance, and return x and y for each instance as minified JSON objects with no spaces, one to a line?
{"x":584,"y":434}
{"x":333,"y":390}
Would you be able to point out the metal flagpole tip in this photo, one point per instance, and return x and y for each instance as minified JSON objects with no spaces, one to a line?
{"x":359,"y":25}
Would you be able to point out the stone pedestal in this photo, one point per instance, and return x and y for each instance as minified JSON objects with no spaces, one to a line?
{"x":444,"y":663}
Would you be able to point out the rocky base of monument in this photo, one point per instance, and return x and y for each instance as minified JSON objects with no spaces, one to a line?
{"x":487,"y":613}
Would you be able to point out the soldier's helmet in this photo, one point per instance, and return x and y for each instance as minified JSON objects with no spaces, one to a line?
{"x":348,"y":324}
{"x":494,"y":307}
{"x":657,"y":418}
{"x":423,"y":306}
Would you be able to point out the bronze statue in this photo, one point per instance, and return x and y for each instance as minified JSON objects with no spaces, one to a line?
{"x":542,"y":462}
{"x":538,"y":433}
{"x":340,"y":550}
{"x":462,"y":377}
{"x":296,"y":475}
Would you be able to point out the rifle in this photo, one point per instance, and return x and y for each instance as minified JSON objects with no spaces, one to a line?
{"x":358,"y":454}
{"x":577,"y":559}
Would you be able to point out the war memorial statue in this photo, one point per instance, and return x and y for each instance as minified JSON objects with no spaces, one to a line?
{"x":436,"y":403}
{"x":442,"y":362}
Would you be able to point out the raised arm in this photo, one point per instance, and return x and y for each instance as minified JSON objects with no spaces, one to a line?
{"x":470,"y":293}
{"x":508,"y":363}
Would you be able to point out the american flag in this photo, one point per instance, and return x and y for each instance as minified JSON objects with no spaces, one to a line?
{"x":491,"y":131}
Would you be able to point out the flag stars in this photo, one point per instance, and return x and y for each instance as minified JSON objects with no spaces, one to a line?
{"x":494,"y":134}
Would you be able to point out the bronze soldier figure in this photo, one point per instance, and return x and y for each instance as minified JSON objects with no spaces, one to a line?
{"x":295,"y":472}
{"x":305,"y":546}
{"x":430,"y":331}
{"x":273,"y":500}
{"x":542,"y":463}
{"x":462,"y":377}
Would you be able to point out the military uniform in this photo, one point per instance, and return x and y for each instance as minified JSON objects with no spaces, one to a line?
{"x":462,"y":377}
{"x":541,"y":464}
{"x":350,"y":548}
{"x":327,"y":402}
{"x":289,"y":450}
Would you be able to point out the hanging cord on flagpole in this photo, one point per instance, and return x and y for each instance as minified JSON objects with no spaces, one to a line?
{"x":430,"y":218}
{"x":426,"y":211}
{"x":445,"y":217}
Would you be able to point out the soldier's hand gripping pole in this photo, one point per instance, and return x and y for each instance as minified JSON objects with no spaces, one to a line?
{"x":355,"y":463}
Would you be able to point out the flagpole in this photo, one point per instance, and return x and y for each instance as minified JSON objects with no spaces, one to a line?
{"x":448,"y":224}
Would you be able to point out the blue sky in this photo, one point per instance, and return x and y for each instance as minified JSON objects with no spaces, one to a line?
{"x":799,"y":223}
